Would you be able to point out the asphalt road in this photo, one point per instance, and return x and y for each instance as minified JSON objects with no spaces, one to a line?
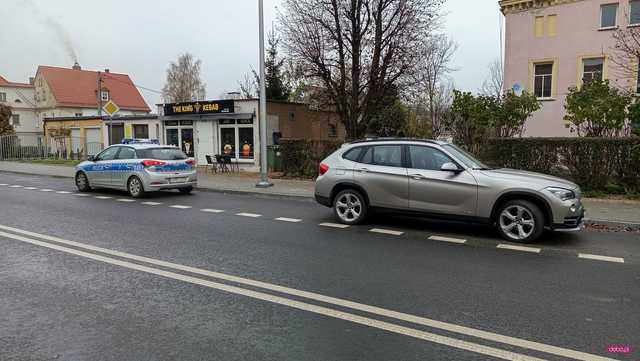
{"x":258,"y":278}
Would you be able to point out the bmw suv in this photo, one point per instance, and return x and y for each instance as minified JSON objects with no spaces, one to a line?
{"x":438,"y":179}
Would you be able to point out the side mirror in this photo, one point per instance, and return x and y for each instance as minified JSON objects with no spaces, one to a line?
{"x":91,"y":158}
{"x":450,"y":167}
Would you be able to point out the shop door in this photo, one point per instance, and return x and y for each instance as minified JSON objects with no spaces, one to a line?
{"x":187,"y":145}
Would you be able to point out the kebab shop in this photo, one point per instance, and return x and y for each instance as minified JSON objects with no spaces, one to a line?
{"x":216,"y":127}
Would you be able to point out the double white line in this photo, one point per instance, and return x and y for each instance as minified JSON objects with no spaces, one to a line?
{"x":56,"y":244}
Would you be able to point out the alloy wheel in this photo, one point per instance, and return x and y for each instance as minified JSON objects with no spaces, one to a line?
{"x":349,"y":207}
{"x":517,"y":222}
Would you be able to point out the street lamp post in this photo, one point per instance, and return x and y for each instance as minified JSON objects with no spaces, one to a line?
{"x":264,"y":181}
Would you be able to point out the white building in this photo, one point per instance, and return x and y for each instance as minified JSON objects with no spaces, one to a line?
{"x":21,"y":98}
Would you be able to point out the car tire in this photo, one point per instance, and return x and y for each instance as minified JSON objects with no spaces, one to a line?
{"x":135,"y":187}
{"x":520,"y":221}
{"x":350,"y":207}
{"x":185,"y":190}
{"x":82,"y":182}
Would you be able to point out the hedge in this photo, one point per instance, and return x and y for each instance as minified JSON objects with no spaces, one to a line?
{"x":596,"y":164}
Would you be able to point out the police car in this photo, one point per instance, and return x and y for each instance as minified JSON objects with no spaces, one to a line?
{"x":138,"y":166}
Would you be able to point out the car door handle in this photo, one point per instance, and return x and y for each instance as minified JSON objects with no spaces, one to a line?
{"x":418,"y":176}
{"x":363,"y":170}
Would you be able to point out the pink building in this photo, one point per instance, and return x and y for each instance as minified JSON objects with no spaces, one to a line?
{"x":551,"y":45}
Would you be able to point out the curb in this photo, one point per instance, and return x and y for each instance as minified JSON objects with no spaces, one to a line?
{"x":612,"y":224}
{"x":39,"y":174}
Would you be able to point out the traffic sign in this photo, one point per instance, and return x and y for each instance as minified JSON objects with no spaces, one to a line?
{"x":111,"y":108}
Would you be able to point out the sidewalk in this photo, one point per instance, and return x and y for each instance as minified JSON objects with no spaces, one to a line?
{"x":598,"y":210}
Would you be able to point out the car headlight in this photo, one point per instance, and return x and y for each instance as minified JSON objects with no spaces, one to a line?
{"x":561,"y":193}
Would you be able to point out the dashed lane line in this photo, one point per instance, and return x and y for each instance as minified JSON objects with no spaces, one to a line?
{"x":102,"y":197}
{"x":16,"y":186}
{"x":151,"y":203}
{"x":80,"y":194}
{"x":249,"y":215}
{"x":209,"y":210}
{"x":290,"y":220}
{"x":448,"y":239}
{"x":125,"y":200}
{"x":63,"y":192}
{"x":458,"y":329}
{"x":3,"y":184}
{"x":178,"y":206}
{"x":518,"y":248}
{"x":30,"y":188}
{"x":46,"y":190}
{"x":334,"y":225}
{"x":600,"y":258}
{"x":386,"y":231}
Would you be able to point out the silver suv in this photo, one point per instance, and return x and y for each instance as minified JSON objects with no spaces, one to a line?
{"x":438,"y":179}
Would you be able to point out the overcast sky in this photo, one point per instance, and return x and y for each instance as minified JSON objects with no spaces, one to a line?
{"x":140,"y":38}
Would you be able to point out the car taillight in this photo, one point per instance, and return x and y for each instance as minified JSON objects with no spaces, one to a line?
{"x":191,"y":162}
{"x":152,"y":163}
{"x":323,"y":168}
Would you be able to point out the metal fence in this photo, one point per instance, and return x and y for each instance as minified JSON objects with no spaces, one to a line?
{"x":30,"y":147}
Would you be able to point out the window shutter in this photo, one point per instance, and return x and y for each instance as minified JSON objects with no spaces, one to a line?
{"x":551,"y":25}
{"x":539,"y":27}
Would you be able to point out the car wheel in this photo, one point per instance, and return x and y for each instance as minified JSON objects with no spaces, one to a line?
{"x":520,"y":221}
{"x":185,"y":190}
{"x":82,"y":182}
{"x":350,"y":207}
{"x":135,"y":188}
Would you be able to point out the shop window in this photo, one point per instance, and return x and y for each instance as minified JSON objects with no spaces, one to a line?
{"x":245,"y":137}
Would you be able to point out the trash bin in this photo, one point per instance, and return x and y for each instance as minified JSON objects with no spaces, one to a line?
{"x":274,"y":158}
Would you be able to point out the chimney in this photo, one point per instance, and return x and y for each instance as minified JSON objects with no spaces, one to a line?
{"x":76,"y":66}
{"x":107,"y":70}
{"x":32,"y":80}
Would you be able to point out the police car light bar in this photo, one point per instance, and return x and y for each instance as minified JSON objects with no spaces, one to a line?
{"x":140,"y":141}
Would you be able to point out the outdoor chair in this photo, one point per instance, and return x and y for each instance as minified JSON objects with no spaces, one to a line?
{"x":210,"y":164}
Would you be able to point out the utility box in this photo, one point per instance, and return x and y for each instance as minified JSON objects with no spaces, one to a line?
{"x":274,"y":158}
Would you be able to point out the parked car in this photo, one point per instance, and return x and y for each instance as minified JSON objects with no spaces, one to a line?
{"x":438,"y":179}
{"x":138,"y":168}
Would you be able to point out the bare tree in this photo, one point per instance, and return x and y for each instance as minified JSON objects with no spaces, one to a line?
{"x":183,"y":81}
{"x":494,"y":84}
{"x":627,"y":51}
{"x":248,"y":86}
{"x":358,"y":50}
{"x":432,"y":79}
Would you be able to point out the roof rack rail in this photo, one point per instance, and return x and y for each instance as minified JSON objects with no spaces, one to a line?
{"x":392,"y":139}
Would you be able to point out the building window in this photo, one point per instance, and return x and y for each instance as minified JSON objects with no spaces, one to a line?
{"x":638,"y":78}
{"x":608,"y":16}
{"x":538,"y":26}
{"x":141,"y":131}
{"x":3,"y":97}
{"x":78,"y":114}
{"x":634,"y":12}
{"x":543,"y":80}
{"x":104,"y":95}
{"x":552,"y":25}
{"x":18,"y":101}
{"x":592,"y":69}
{"x":15,"y":120}
{"x":333,"y":131}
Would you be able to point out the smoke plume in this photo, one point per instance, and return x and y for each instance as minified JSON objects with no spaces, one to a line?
{"x":58,"y":30}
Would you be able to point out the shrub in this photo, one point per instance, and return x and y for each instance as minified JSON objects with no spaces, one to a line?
{"x":596,"y":164}
{"x":301,"y":157}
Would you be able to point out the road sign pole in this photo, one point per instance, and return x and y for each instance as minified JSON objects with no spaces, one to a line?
{"x":264,"y":181}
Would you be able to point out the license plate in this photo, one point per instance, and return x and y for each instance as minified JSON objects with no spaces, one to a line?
{"x":177,"y":180}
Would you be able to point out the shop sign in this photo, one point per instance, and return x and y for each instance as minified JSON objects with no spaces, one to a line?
{"x":200,"y":107}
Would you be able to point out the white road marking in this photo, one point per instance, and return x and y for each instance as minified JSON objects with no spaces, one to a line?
{"x":290,"y":220}
{"x":448,"y":239}
{"x":335,"y":225}
{"x":250,"y":215}
{"x":30,"y":188}
{"x":126,"y":200}
{"x":494,"y":337}
{"x":102,"y":197}
{"x":63,"y":192}
{"x":3,"y":184}
{"x":386,"y":231}
{"x":324,"y":311}
{"x":208,"y":210}
{"x":16,"y":186}
{"x":601,"y":258}
{"x":177,"y":206}
{"x":46,"y":190}
{"x":151,"y":203}
{"x":81,"y":194}
{"x":519,"y":248}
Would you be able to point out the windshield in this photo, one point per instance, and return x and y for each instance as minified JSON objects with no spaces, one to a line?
{"x":161,"y":153}
{"x":466,"y":158}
